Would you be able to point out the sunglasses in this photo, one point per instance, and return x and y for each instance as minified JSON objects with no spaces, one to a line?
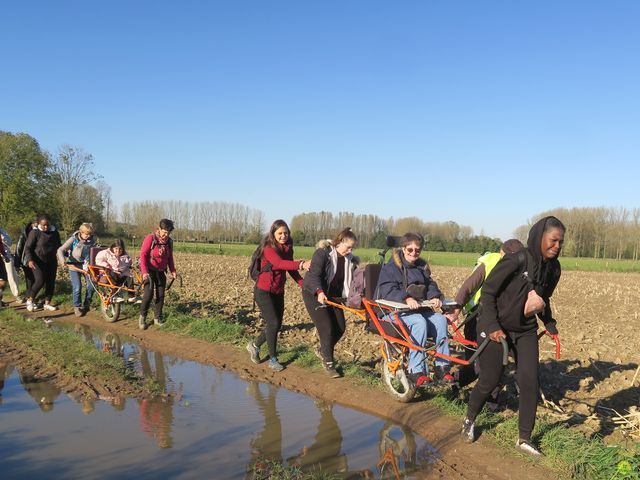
{"x":411,"y":249}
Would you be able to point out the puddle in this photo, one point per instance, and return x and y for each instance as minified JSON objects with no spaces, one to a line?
{"x":208,"y":423}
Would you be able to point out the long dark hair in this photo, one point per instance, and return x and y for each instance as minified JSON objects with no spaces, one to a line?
{"x":118,"y":243}
{"x":269,"y":240}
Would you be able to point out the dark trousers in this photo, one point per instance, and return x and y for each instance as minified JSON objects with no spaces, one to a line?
{"x":158,"y":282}
{"x":329,"y":322}
{"x":272,"y":310}
{"x":28,"y":276}
{"x":525,"y":349}
{"x":43,"y":275}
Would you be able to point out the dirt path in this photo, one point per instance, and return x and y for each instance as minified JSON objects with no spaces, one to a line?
{"x":459,"y":460}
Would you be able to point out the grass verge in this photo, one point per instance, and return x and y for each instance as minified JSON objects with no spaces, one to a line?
{"x":267,"y":469}
{"x":566,"y":450}
{"x":64,"y":351}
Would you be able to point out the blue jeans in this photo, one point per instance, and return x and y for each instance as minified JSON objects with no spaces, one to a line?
{"x":423,"y":324}
{"x":76,"y":284}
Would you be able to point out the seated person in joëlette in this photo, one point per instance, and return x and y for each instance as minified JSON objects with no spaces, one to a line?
{"x":118,"y":264}
{"x":406,"y":278}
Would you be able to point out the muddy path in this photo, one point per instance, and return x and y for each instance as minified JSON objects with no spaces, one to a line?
{"x":459,"y":460}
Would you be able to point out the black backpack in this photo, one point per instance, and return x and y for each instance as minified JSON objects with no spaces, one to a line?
{"x":254,"y":269}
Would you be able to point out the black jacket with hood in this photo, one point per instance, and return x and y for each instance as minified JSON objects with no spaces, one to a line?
{"x":42,"y":246}
{"x":505,"y":291}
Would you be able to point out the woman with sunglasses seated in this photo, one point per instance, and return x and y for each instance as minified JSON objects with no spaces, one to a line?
{"x":406,"y":278}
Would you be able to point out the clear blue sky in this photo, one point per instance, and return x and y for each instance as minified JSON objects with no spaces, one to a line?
{"x":484,"y":113}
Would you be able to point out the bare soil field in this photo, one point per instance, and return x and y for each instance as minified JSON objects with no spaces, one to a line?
{"x":595,"y":379}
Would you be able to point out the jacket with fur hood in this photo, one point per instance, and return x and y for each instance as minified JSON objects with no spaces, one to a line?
{"x":323,"y":269}
{"x":79,"y":252}
{"x":42,"y":246}
{"x":505,"y":291}
{"x":391,"y":283}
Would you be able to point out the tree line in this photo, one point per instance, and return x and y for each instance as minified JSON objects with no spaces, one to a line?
{"x":65,"y":185}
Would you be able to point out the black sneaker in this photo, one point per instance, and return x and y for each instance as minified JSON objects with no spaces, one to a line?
{"x":254,"y":352}
{"x":330,"y":368}
{"x":468,"y":434}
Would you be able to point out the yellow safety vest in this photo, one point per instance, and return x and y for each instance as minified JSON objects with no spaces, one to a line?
{"x":489,"y":260}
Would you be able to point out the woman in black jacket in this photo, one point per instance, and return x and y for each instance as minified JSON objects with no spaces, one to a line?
{"x":329,"y":278}
{"x":515,"y":294}
{"x":40,"y":256}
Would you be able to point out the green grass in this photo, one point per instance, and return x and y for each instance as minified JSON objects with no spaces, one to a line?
{"x":63,"y":350}
{"x":566,"y":450}
{"x":447,"y":259}
{"x":267,"y":469}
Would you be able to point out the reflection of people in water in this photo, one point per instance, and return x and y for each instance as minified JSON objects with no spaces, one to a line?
{"x":43,"y":392}
{"x":324,"y":453}
{"x":397,"y":444}
{"x":111,"y":343}
{"x":5,"y":372}
{"x":268,"y":442}
{"x":156,"y":414}
{"x":84,"y":331}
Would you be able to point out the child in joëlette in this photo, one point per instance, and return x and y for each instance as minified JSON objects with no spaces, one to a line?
{"x":116,"y":259}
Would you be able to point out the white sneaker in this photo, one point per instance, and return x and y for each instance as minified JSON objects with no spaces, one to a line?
{"x":527,"y":447}
{"x":30,"y":306}
{"x":118,"y":300}
{"x":51,"y":308}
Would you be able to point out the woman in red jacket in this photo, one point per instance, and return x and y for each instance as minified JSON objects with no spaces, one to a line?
{"x":276,"y":259}
{"x":156,"y":257}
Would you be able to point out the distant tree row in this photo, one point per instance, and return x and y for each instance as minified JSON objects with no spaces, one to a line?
{"x":64,"y":185}
{"x":600,"y":232}
{"x":372,"y":231}
{"x":198,"y":221}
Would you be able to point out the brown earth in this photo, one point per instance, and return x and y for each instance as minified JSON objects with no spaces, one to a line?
{"x":596,"y":320}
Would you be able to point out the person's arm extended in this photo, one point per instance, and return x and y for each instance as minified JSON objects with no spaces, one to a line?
{"x":145,"y":254}
{"x":277,"y":262}
{"x":470,"y":285}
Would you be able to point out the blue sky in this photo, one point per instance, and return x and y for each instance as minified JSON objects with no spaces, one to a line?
{"x":483,"y":113}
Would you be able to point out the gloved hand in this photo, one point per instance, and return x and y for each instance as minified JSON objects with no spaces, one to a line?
{"x":551,"y":328}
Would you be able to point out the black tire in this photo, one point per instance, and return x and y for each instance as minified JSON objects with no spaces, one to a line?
{"x":110,"y":312}
{"x":398,"y":384}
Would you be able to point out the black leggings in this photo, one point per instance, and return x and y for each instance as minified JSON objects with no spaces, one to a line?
{"x":272,"y":310}
{"x":329,"y":322}
{"x":525,"y":348}
{"x":157,"y":281}
{"x":43,"y":275}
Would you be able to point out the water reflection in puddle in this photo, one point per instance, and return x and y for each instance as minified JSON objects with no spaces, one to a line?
{"x":206,"y":424}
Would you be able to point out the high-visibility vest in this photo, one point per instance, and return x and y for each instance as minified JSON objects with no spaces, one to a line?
{"x":489,"y":260}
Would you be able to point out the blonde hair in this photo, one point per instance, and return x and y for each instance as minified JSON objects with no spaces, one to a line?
{"x":86,"y":228}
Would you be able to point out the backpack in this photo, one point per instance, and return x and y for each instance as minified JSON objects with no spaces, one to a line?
{"x":356,"y":289}
{"x":154,"y":242}
{"x":254,"y":269}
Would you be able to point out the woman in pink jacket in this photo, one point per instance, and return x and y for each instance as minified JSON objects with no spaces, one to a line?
{"x":156,"y":256}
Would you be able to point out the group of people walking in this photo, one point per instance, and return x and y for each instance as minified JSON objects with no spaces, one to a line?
{"x":39,"y":253}
{"x":502,"y":299}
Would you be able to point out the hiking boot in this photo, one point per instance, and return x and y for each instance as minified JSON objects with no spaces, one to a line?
{"x":142,"y":325}
{"x":468,"y":434}
{"x":48,"y":306}
{"x":526,"y":446}
{"x":330,"y":368}
{"x":254,"y":352}
{"x":78,"y":312}
{"x":275,"y":365}
{"x":419,"y":378}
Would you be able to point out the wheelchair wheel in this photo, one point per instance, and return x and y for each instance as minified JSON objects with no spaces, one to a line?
{"x":398,"y":384}
{"x":110,"y":312}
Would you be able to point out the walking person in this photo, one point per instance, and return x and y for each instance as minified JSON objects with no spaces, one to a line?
{"x":9,"y":264}
{"x":513,"y":297}
{"x":74,"y":253}
{"x":275,"y":260}
{"x":468,"y":297}
{"x":156,"y":256}
{"x":329,"y":278}
{"x":40,"y":256}
{"x":19,"y":258}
